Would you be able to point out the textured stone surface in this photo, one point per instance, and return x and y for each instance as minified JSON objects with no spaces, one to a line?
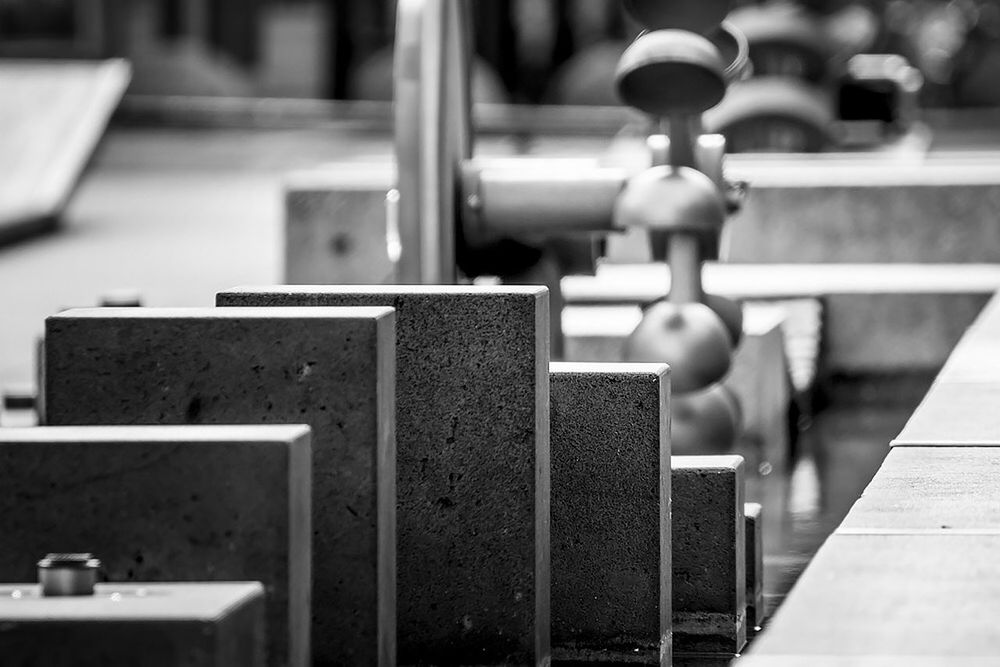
{"x":473,"y":507}
{"x":955,"y":413}
{"x":123,"y":625}
{"x":709,"y":554}
{"x":755,"y":565}
{"x":892,"y":595}
{"x":931,"y":489}
{"x":332,"y":369}
{"x":335,"y":225}
{"x":611,"y":571}
{"x":860,"y":223}
{"x":167,"y":503}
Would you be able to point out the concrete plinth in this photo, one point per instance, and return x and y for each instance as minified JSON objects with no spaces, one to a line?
{"x":167,"y":503}
{"x":473,"y":512}
{"x":123,"y":625}
{"x":611,"y":571}
{"x":332,"y":369}
{"x":709,"y":554}
{"x":336,"y":225}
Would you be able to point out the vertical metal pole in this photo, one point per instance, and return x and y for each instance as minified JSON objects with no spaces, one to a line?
{"x":433,"y":153}
{"x":684,"y":251}
{"x":407,"y":116}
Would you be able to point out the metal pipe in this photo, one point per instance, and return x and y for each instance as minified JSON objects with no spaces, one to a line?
{"x":684,"y":249}
{"x":539,"y":197}
{"x":684,"y":258}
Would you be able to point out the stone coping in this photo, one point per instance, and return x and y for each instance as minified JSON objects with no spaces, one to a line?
{"x":911,"y":575}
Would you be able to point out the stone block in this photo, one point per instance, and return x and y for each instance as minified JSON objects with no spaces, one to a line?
{"x":123,"y":625}
{"x":755,"y":565}
{"x":336,"y":225}
{"x":921,"y":596}
{"x":926,"y":489}
{"x":860,"y":217}
{"x":709,"y":554}
{"x":168,"y":503}
{"x":611,"y":571}
{"x":955,"y":413}
{"x":332,"y":369}
{"x":473,"y":471}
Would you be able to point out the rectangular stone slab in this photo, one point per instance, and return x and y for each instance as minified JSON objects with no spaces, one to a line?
{"x":923,"y":596}
{"x":709,"y":554}
{"x":335,"y":229}
{"x":332,"y":369}
{"x":611,"y":570}
{"x":922,"y":489}
{"x":473,"y":417}
{"x":123,"y":625}
{"x":955,"y":413}
{"x":169,"y":503}
{"x":755,"y":565}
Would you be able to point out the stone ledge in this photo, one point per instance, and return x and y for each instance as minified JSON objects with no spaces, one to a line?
{"x":911,"y":575}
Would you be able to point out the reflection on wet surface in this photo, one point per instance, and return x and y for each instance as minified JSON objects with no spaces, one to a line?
{"x":837,"y":452}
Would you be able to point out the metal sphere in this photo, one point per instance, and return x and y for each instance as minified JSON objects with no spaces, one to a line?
{"x":687,"y":336}
{"x":670,"y":199}
{"x":704,"y":422}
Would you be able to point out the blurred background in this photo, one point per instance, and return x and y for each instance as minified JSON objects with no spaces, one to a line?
{"x":530,"y":51}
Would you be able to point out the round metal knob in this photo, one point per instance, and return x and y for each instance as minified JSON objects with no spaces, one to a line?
{"x":665,"y":198}
{"x":68,"y":574}
{"x":687,"y":336}
{"x":667,"y":72}
{"x":694,"y":15}
{"x":704,"y":422}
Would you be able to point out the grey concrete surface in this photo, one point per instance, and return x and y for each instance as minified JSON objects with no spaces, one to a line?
{"x":709,"y":554}
{"x":166,"y":503}
{"x":121,"y":625}
{"x":333,"y":369}
{"x":473,"y":469}
{"x":611,"y":554}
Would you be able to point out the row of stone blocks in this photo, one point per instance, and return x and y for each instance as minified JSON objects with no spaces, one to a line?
{"x":422,"y":483}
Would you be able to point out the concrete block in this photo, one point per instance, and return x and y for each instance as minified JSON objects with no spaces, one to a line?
{"x":611,"y":570}
{"x":895,"y":332}
{"x":917,"y":595}
{"x":336,"y":225}
{"x":927,"y":489}
{"x":754,"y":566}
{"x":709,"y":554}
{"x":332,"y":369}
{"x":123,"y":625}
{"x":854,"y":221}
{"x":955,"y":413}
{"x":167,"y":503}
{"x":473,"y":470}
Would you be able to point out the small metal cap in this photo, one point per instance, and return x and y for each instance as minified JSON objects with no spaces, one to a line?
{"x":68,"y":574}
